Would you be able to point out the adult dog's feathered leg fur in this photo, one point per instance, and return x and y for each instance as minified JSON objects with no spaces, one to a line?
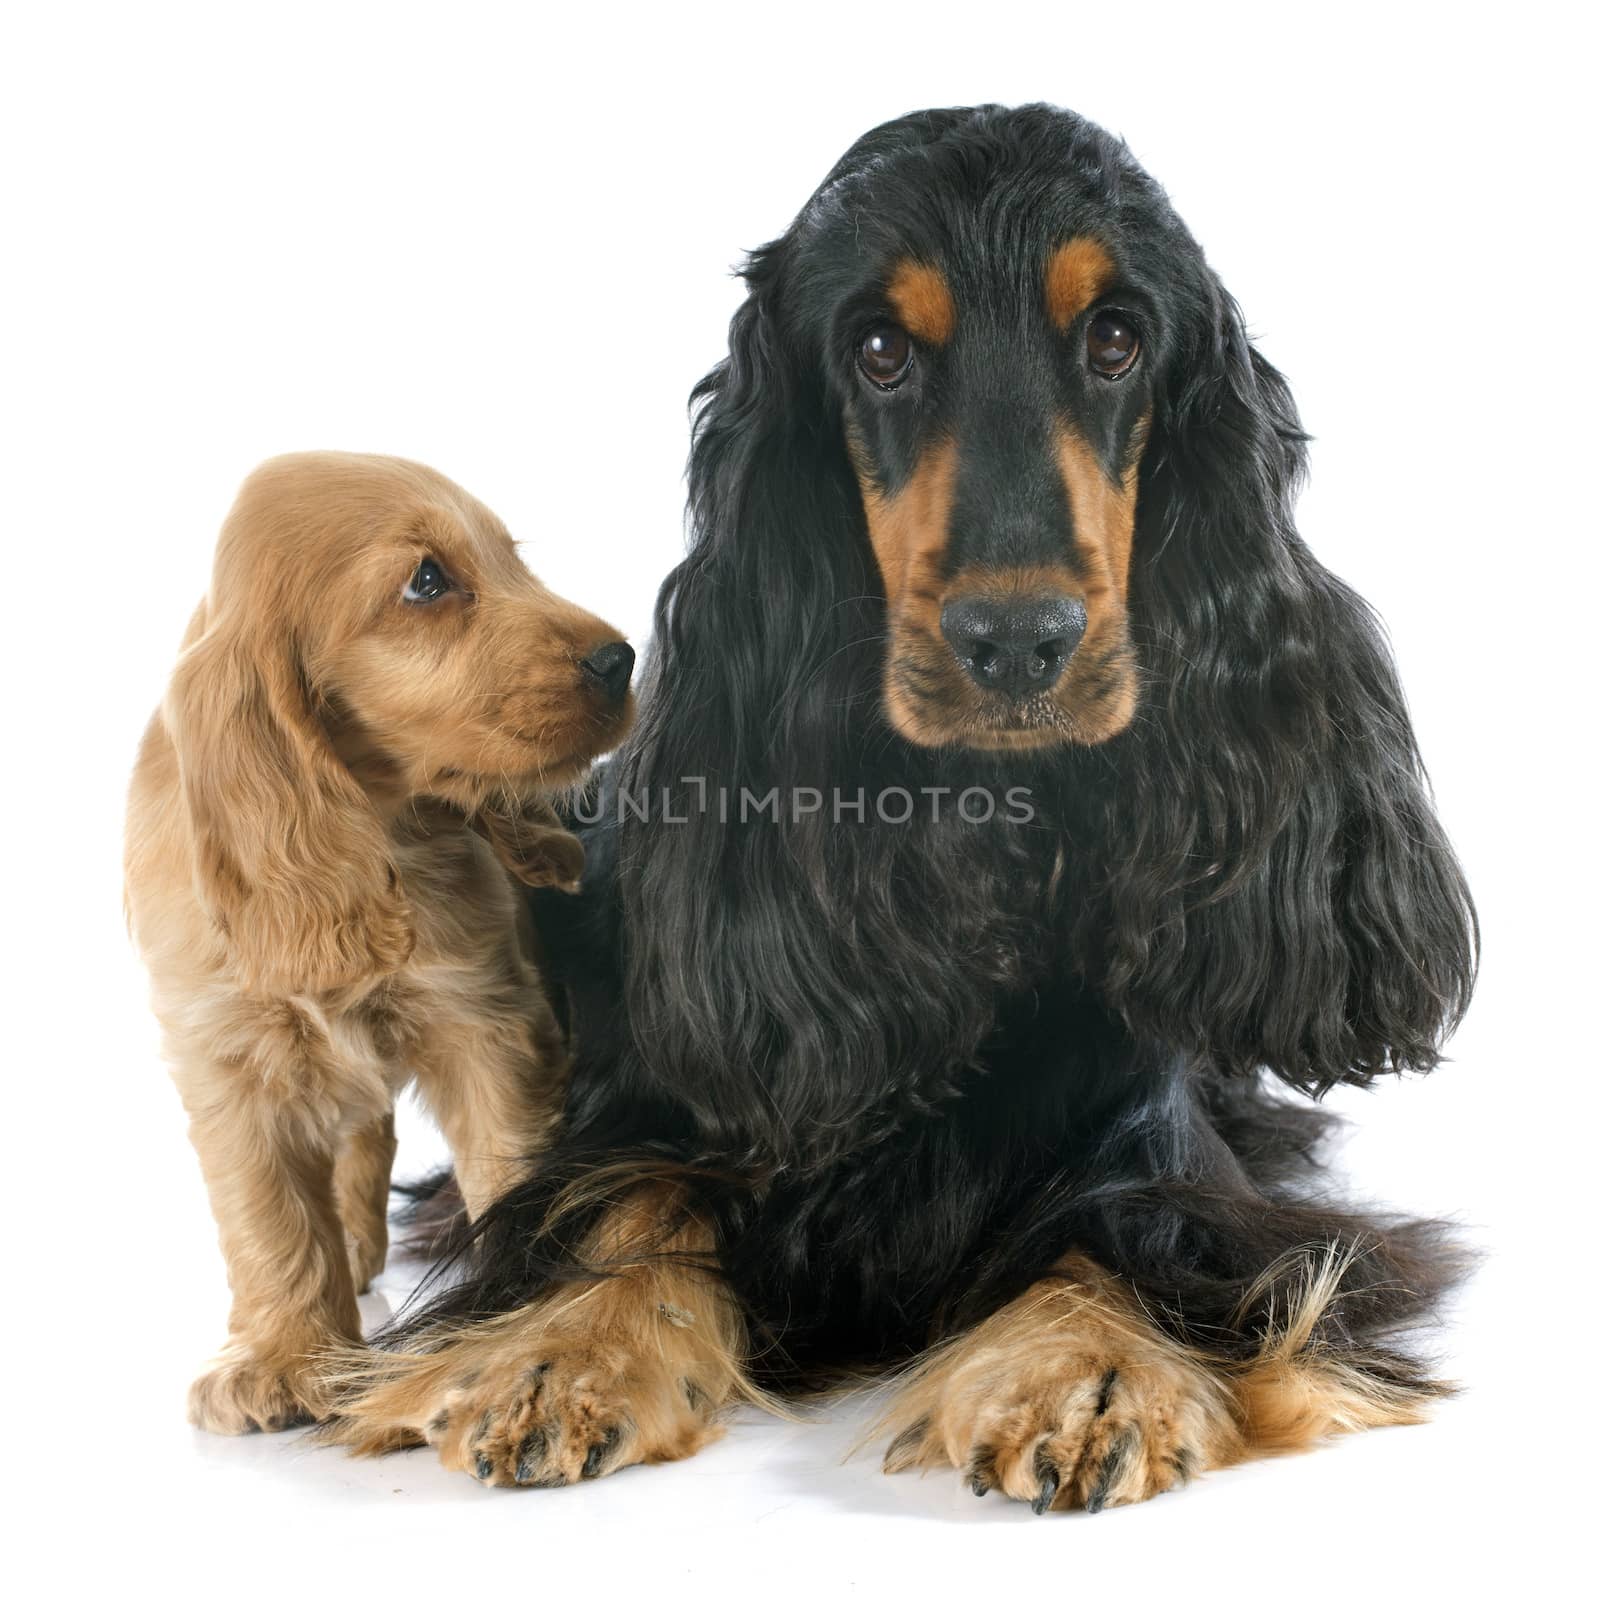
{"x":1213,"y":1313}
{"x":632,"y":1362}
{"x":1220,"y":1314}
{"x":1072,"y":1396}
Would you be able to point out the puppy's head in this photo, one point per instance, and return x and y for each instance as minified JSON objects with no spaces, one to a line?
{"x":371,"y":637}
{"x":439,"y":663}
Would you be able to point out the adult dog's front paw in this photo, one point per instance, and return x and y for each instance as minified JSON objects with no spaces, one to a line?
{"x":578,"y":1411}
{"x":538,"y":1400}
{"x":249,"y":1394}
{"x":576,"y":1383}
{"x":1065,"y":1402}
{"x":1069,"y":1434}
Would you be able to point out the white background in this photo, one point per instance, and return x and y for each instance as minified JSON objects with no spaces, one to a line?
{"x":501,"y":243}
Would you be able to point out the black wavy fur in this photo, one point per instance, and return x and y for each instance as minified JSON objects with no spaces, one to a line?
{"x":904,"y":1068}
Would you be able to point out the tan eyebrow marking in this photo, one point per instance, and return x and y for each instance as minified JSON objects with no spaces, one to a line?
{"x":1076,"y":276}
{"x":923,"y":302}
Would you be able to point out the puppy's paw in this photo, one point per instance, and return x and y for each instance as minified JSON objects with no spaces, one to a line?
{"x":532,"y":845}
{"x":1065,"y":1427}
{"x":248,"y":1394}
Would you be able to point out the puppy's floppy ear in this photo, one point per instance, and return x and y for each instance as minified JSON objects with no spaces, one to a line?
{"x":290,"y":857}
{"x":1277,"y":889}
{"x":532,"y":845}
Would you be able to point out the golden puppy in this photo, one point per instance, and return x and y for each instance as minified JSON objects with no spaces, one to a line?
{"x":323,"y":824}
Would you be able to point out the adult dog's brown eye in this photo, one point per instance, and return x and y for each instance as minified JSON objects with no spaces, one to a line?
{"x":1113,"y":344}
{"x":885,"y":354}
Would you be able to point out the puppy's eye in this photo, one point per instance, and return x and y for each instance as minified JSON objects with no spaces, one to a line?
{"x":427,"y":583}
{"x":1113,"y":344}
{"x":885,"y":354}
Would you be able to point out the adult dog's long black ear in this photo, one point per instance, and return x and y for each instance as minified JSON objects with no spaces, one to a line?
{"x":776,"y":576}
{"x":779,"y":583}
{"x":762,"y":655}
{"x":1276,"y":888}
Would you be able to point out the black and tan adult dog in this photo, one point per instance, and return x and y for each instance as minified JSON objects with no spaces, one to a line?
{"x":1013,"y":794}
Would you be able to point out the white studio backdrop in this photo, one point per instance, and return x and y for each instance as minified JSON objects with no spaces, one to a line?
{"x":499,"y":239}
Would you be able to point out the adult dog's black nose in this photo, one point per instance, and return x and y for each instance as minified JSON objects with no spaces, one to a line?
{"x":1014,"y":647}
{"x":611,"y":666}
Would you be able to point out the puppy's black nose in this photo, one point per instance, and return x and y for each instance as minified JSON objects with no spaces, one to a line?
{"x":1014,"y":647}
{"x":611,"y":666}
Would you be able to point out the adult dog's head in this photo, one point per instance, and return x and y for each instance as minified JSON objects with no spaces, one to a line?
{"x":995,"y":318}
{"x":371,"y":638}
{"x":992,"y":486}
{"x":992,"y":324}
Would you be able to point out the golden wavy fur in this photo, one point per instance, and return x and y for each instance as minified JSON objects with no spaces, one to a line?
{"x":325,"y":822}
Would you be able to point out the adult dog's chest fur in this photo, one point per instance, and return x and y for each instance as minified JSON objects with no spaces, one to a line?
{"x":843,"y":993}
{"x":864,"y":1253}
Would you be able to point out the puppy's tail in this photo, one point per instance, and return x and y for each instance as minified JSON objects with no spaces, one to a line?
{"x":431,"y":1219}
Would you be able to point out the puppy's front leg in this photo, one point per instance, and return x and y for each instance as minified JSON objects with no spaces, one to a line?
{"x":494,"y":1078}
{"x":270,"y":1177}
{"x":361,"y":1180}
